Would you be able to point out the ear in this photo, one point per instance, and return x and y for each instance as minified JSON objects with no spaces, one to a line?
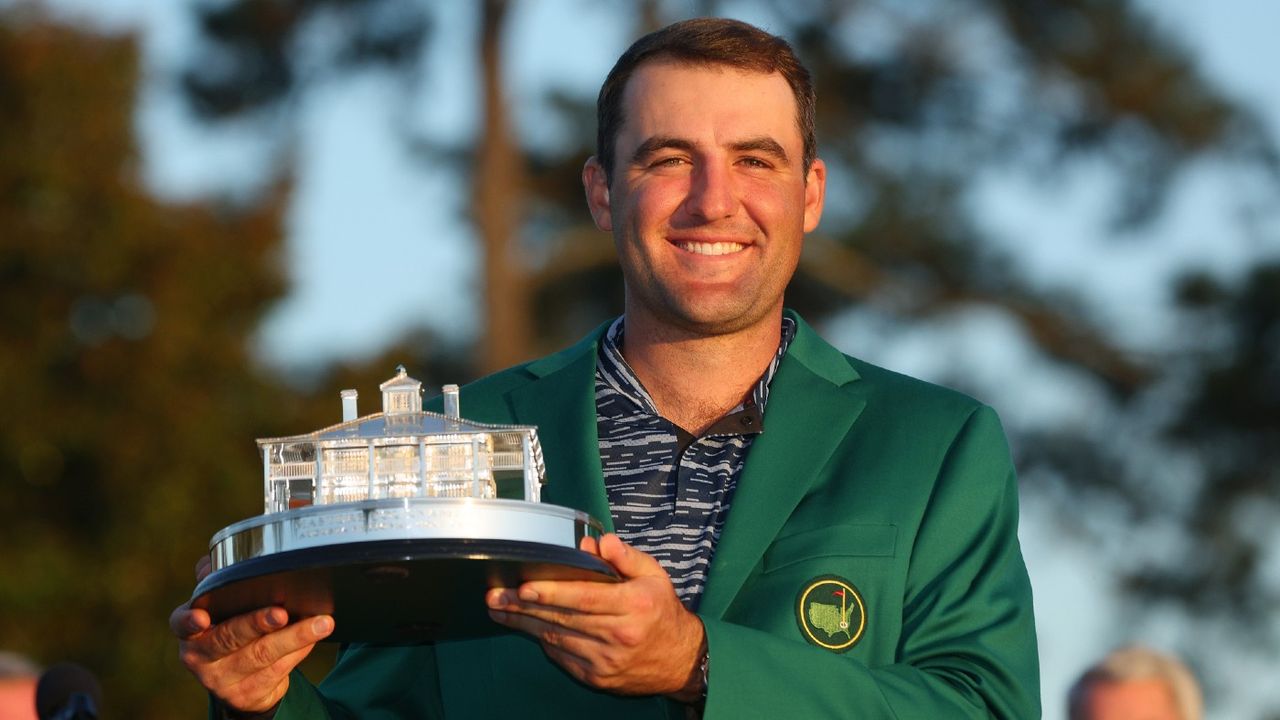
{"x":596,"y":184}
{"x":815,"y":194}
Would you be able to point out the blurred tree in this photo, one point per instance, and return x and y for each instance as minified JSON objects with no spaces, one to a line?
{"x":259,"y":56}
{"x":130,"y":397}
{"x":498,"y":187}
{"x":1229,"y":420}
{"x":908,"y":126}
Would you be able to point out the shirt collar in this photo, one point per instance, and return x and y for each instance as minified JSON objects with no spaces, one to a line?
{"x":617,"y":374}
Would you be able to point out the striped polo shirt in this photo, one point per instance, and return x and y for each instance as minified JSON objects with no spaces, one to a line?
{"x":669,"y":492}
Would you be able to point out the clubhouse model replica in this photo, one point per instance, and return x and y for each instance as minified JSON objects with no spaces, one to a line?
{"x":396,"y":522}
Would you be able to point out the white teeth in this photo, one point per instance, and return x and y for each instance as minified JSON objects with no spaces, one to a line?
{"x":719,"y":248}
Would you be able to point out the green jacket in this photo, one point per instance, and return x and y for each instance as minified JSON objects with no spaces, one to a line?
{"x":901,"y":490}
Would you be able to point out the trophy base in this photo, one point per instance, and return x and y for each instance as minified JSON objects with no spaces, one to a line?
{"x":393,"y":591}
{"x":395,"y":570}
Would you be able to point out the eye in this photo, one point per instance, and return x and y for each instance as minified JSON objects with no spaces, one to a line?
{"x":668,"y":161}
{"x":755,"y":162}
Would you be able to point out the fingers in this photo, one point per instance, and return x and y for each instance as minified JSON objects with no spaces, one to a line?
{"x":628,"y":561}
{"x":544,"y":630}
{"x":204,"y":566}
{"x":186,"y":622}
{"x":565,"y":646}
{"x":506,"y":610}
{"x":590,"y":597}
{"x":251,"y":690}
{"x":567,"y":598}
{"x":266,"y":631}
{"x":631,"y":637}
{"x":246,"y":661}
{"x":542,"y":598}
{"x":231,"y":635}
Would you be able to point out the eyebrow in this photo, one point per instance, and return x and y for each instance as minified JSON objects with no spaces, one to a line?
{"x":660,"y":142}
{"x":764,"y":144}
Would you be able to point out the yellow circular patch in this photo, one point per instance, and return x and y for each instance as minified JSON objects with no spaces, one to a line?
{"x":830,"y":613}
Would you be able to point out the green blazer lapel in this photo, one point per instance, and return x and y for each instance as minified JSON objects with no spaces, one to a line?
{"x":561,"y":402}
{"x":810,"y":409}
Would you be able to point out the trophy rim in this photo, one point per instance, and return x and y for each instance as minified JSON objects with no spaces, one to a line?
{"x":309,"y":511}
{"x":365,"y":521}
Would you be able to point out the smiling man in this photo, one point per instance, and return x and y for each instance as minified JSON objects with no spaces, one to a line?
{"x":708,"y":200}
{"x":798,"y":533}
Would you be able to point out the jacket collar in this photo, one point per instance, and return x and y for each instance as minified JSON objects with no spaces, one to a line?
{"x":812,"y":405}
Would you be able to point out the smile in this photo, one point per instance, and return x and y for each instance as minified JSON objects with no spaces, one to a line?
{"x":716,"y":248}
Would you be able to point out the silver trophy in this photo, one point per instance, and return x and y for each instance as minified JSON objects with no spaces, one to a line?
{"x":396,"y":523}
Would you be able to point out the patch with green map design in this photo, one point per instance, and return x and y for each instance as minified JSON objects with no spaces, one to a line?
{"x":830,"y":613}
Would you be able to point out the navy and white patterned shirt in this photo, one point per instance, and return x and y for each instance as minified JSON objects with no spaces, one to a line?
{"x":669,"y":492}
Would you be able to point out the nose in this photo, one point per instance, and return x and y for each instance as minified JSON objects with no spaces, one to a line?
{"x":711,"y":193}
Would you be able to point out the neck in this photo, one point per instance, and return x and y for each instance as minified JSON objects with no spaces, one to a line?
{"x":694,"y":378}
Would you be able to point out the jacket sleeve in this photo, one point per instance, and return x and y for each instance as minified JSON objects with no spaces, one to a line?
{"x":968,"y":645}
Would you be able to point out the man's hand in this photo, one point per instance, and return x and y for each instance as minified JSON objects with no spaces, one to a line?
{"x":630,"y":638}
{"x":245,"y":661}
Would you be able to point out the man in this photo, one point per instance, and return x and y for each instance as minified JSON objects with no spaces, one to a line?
{"x":1136,"y":683}
{"x":800,"y":534}
{"x":18,"y":679}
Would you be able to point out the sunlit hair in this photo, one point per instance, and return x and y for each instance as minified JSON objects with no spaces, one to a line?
{"x":1139,"y":663}
{"x":13,"y":665}
{"x":705,"y":42}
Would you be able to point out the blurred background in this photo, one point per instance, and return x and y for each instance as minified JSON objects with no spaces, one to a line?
{"x":215,"y":214}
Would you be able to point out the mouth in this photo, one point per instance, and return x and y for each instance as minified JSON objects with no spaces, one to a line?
{"x":711,"y":248}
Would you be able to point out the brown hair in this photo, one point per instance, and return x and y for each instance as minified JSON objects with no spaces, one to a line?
{"x":705,"y":41}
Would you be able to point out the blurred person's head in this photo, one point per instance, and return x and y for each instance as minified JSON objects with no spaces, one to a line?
{"x":705,"y":42}
{"x":18,"y":678}
{"x":1136,"y":683}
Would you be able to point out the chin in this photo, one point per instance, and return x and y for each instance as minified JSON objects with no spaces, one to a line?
{"x":719,"y":321}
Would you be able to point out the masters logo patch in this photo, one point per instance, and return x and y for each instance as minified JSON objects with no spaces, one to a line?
{"x":831,"y":613}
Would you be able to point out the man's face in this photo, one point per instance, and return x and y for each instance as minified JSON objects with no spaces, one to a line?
{"x":18,"y":699}
{"x":1147,"y":699}
{"x":710,"y":200}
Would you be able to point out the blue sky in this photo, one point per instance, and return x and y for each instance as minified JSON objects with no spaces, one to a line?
{"x":365,"y":223}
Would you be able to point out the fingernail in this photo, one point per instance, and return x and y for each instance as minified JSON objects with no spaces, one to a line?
{"x":528,"y":595}
{"x":273,"y":619}
{"x":322,"y":625}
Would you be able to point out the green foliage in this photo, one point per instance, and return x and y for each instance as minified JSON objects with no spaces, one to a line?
{"x":252,"y":58}
{"x":1231,"y":423}
{"x":130,"y":397}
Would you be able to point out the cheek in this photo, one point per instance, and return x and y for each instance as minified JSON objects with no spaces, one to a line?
{"x":774,"y":207}
{"x":653,"y":202}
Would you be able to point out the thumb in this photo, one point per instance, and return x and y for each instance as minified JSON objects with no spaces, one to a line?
{"x":628,"y":561}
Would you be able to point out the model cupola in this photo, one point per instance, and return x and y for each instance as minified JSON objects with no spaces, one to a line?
{"x":401,"y":395}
